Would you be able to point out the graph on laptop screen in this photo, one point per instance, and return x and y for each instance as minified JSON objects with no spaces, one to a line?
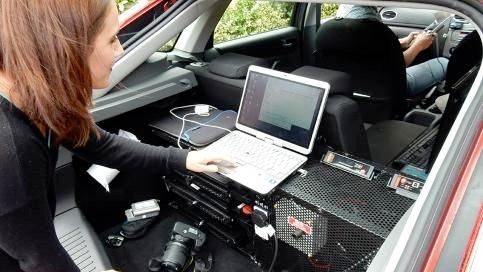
{"x":282,"y":108}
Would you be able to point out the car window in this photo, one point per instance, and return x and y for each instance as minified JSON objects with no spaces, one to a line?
{"x":169,"y":45}
{"x":139,"y":16}
{"x":328,"y":10}
{"x":243,"y":18}
{"x":124,"y":5}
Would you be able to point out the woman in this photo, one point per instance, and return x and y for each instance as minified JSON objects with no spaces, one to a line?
{"x":53,"y":53}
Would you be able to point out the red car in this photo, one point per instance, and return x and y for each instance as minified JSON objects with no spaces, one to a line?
{"x":440,"y":231}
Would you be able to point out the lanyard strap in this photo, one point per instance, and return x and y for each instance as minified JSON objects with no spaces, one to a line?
{"x":5,"y":96}
{"x":49,"y":139}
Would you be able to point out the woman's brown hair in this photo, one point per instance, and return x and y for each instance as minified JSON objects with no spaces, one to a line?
{"x":44,"y":49}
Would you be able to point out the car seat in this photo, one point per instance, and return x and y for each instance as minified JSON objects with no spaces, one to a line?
{"x":370,"y":52}
{"x":463,"y":66}
{"x":341,"y":127}
{"x":221,"y":81}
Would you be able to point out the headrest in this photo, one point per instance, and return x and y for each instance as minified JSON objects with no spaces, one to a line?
{"x":467,"y":54}
{"x":234,"y":65}
{"x":340,"y":82}
{"x":368,"y":36}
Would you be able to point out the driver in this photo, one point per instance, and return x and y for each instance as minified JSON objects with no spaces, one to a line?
{"x":419,"y":77}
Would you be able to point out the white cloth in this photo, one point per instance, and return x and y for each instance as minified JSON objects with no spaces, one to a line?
{"x":105,"y":175}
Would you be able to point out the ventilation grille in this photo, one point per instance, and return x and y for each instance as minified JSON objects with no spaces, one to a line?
{"x":389,"y":14}
{"x":310,"y":244}
{"x":350,"y":218}
{"x":369,"y":205}
{"x":75,"y":244}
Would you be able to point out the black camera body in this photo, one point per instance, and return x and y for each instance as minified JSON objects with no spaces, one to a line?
{"x":185,"y":241}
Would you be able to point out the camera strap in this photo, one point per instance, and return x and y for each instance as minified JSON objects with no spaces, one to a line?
{"x":136,"y":229}
{"x":154,"y":264}
{"x":201,"y":266}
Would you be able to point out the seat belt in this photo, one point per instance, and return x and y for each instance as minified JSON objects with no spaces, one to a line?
{"x":317,"y":16}
{"x":314,"y":52}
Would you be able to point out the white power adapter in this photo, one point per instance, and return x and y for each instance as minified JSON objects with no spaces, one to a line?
{"x":202,"y":109}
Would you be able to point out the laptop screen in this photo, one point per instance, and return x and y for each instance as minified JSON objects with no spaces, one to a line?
{"x":280,"y":107}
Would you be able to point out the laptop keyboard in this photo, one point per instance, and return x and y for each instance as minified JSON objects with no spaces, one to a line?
{"x":246,"y":149}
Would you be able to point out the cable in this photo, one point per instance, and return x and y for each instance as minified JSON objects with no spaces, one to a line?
{"x":275,"y":253}
{"x":201,"y":124}
{"x":187,"y":264}
{"x":183,"y":119}
{"x":182,"y":128}
{"x":186,"y":135}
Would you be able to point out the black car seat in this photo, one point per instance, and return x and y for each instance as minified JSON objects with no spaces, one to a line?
{"x":221,"y":81}
{"x":341,"y":127}
{"x":467,"y":54}
{"x":370,"y":52}
{"x":463,"y":66}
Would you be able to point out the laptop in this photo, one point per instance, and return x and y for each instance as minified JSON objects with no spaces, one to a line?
{"x":276,"y":127}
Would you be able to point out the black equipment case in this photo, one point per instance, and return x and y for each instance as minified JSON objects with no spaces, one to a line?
{"x":331,"y":220}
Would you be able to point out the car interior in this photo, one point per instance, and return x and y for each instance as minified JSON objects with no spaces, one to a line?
{"x":367,"y":119}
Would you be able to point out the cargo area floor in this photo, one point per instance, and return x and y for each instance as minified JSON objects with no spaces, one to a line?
{"x":134,"y":254}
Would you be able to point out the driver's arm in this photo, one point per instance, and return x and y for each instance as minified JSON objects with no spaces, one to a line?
{"x":406,"y":41}
{"x":420,"y":43}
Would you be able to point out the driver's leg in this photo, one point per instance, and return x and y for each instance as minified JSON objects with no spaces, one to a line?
{"x":424,"y":75}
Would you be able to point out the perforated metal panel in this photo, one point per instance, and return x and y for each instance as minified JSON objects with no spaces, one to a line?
{"x":350,"y":217}
{"x":308,"y":242}
{"x":367,"y":204}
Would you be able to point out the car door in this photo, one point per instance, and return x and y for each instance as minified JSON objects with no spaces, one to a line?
{"x":262,"y":29}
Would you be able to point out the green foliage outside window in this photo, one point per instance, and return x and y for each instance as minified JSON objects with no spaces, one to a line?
{"x":247,"y":17}
{"x":123,"y":5}
{"x":328,"y":10}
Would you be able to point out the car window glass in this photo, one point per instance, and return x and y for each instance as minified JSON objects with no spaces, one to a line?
{"x":138,"y":16}
{"x":125,"y":5}
{"x":248,"y":17}
{"x":328,"y":10}
{"x":168,"y":46}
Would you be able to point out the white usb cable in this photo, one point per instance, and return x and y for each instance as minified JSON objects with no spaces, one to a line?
{"x":199,"y":109}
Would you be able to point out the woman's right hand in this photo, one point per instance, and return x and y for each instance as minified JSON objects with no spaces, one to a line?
{"x":204,"y":161}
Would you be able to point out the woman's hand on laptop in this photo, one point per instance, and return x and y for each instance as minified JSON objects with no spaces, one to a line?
{"x":205,"y":161}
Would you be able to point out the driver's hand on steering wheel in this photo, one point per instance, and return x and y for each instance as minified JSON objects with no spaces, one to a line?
{"x":423,"y":40}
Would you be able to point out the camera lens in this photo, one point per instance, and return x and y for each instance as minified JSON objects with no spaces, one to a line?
{"x":176,"y":254}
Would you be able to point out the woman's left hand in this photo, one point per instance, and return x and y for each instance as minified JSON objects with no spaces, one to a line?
{"x":204,"y":161}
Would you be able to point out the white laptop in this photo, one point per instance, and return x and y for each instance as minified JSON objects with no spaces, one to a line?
{"x":277,"y":124}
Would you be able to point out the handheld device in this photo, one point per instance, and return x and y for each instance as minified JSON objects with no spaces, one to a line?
{"x":142,"y":210}
{"x":431,"y":29}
